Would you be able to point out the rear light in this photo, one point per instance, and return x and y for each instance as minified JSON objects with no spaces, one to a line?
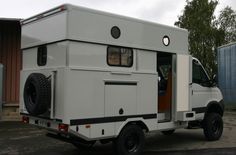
{"x":63,"y":127}
{"x":25,"y":119}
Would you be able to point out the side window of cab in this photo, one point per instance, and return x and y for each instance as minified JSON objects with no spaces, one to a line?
{"x":199,"y":75}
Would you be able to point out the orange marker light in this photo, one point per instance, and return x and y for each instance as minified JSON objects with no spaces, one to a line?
{"x":87,"y":126}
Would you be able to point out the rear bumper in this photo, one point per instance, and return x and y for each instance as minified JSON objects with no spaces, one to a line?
{"x":42,"y":122}
{"x":53,"y":126}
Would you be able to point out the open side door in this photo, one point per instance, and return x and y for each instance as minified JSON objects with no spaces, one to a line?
{"x":184,"y":88}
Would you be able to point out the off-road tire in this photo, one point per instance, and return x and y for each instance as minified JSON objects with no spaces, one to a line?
{"x":130,"y":141}
{"x":213,"y":126}
{"x":37,"y":94}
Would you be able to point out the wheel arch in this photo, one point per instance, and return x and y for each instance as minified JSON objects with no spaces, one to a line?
{"x":138,"y":122}
{"x":215,"y":107}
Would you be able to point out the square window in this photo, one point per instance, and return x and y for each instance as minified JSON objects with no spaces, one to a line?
{"x":119,"y":56}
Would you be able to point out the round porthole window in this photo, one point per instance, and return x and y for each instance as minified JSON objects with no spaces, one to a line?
{"x":115,"y":32}
{"x":166,"y":40}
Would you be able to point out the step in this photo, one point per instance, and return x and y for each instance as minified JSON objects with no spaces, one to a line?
{"x":10,"y":113}
{"x":11,"y":118}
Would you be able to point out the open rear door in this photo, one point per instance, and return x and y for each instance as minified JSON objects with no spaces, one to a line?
{"x":183,"y":88}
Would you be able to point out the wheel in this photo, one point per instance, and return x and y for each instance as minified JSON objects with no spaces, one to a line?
{"x":37,"y":94}
{"x":213,"y":126}
{"x":130,"y":141}
{"x":168,"y":132}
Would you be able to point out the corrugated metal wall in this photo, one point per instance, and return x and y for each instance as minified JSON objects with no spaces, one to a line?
{"x":227,"y":71}
{"x":10,"y":57}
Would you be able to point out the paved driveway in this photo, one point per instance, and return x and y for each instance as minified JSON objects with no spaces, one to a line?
{"x":19,"y":138}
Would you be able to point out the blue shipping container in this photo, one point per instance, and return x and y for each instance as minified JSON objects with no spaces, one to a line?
{"x":226,"y":59}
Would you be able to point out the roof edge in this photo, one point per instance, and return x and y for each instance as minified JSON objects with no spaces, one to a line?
{"x":229,"y":44}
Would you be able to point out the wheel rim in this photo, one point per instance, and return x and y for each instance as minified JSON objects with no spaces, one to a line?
{"x":216,"y":127}
{"x":132,"y":142}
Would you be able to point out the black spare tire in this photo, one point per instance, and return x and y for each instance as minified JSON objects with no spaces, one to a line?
{"x":37,"y":94}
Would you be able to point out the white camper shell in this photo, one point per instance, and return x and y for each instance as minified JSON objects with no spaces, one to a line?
{"x":90,"y":75}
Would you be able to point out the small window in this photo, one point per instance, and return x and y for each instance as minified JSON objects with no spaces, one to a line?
{"x":119,"y":56}
{"x":115,"y":32}
{"x":42,"y":55}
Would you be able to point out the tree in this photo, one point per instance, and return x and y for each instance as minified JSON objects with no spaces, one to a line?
{"x":198,"y":17}
{"x":226,"y":24}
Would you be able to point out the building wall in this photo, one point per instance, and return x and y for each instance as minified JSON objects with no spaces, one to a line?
{"x":10,"y":57}
{"x":227,"y":71}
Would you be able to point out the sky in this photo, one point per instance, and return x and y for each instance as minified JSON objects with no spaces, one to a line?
{"x":160,"y":11}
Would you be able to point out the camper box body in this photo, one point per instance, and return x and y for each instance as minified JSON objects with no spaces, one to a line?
{"x":90,"y":93}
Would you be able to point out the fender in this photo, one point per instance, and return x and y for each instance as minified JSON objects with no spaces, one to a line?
{"x":215,"y":106}
{"x":147,"y":125}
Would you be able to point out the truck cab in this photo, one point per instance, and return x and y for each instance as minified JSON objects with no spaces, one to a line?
{"x":206,"y":96}
{"x":204,"y":90}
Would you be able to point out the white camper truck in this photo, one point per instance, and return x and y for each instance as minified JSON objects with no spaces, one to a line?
{"x":92,"y":76}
